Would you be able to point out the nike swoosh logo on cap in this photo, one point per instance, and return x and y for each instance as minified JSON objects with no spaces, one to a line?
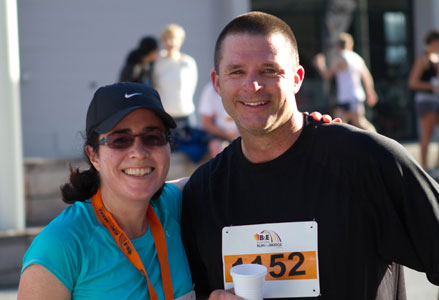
{"x":131,"y":95}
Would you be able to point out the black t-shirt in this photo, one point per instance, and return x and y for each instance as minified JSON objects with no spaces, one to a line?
{"x":374,"y":205}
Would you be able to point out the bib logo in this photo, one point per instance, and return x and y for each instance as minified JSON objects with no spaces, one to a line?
{"x":268,"y":238}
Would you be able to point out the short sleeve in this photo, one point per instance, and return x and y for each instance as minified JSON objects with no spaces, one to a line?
{"x":54,"y":249}
{"x":405,"y":205}
{"x":171,"y":199}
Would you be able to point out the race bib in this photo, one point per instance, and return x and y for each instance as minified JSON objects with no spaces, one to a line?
{"x":288,"y":250}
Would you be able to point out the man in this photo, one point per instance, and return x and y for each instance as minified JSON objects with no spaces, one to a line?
{"x":350,"y":72}
{"x":330,"y":209}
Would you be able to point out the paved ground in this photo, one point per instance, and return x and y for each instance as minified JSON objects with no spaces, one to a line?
{"x":8,"y":294}
{"x":418,"y":287}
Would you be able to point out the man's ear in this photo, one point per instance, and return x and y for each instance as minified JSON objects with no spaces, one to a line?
{"x":215,"y":81}
{"x":298,"y":78}
{"x":93,"y":157}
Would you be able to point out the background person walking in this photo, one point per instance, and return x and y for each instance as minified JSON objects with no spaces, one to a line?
{"x":351,"y":74}
{"x":424,"y":80}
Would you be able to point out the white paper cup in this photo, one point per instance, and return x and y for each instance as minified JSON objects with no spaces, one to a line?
{"x":248,"y":280}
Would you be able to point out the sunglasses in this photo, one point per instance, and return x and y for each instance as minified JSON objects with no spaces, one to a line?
{"x":124,"y":140}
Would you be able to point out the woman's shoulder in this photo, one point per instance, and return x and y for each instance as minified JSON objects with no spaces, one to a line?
{"x":65,"y":236}
{"x":60,"y":245}
{"x":173,"y":188}
{"x":170,"y":201}
{"x":72,"y":223}
{"x":180,"y":182}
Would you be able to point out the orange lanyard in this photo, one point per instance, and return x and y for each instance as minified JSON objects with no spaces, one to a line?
{"x":130,"y":252}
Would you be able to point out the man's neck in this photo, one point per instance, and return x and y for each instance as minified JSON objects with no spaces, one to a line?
{"x":264,"y":148}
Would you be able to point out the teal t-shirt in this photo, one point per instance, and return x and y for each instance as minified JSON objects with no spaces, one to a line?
{"x":82,"y":254}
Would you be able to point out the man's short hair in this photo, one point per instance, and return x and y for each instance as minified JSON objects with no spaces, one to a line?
{"x":256,"y":23}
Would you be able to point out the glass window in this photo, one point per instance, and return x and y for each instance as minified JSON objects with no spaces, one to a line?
{"x":395,"y":35}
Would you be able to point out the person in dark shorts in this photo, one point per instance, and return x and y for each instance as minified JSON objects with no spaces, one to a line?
{"x":424,"y":80}
{"x":354,"y":83}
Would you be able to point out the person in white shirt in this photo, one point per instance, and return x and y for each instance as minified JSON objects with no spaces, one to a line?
{"x":175,"y":76}
{"x":354,"y":83}
{"x":215,"y":120}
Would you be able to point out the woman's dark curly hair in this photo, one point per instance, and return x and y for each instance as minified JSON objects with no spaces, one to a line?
{"x":83,"y":184}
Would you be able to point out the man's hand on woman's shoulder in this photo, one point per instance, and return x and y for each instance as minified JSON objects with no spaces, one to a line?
{"x":324,"y":118}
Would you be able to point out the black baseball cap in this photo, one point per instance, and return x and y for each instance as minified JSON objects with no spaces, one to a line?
{"x":111,"y":103}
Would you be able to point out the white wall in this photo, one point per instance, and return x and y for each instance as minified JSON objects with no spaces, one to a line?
{"x":425,"y":18}
{"x":11,"y":163}
{"x":69,"y":48}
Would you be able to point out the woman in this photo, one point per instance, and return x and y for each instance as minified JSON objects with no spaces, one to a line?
{"x":423,"y":79}
{"x":121,"y":237}
{"x":139,"y":62}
